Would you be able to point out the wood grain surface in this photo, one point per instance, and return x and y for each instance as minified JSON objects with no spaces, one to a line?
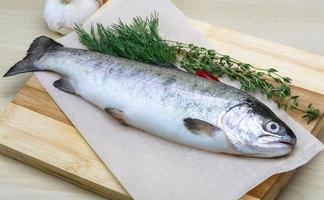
{"x":21,"y":21}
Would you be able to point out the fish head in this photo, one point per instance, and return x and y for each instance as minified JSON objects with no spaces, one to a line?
{"x":252,"y":129}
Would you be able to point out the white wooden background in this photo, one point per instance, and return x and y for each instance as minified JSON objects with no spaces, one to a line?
{"x":296,"y":23}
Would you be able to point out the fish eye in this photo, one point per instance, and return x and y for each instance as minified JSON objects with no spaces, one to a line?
{"x":272,"y":127}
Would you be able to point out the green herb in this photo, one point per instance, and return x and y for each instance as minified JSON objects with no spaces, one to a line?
{"x":140,"y":40}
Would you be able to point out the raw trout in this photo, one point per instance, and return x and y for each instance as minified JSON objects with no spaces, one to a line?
{"x":168,"y":103}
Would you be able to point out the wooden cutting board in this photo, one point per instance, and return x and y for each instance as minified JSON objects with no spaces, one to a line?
{"x":35,"y":131}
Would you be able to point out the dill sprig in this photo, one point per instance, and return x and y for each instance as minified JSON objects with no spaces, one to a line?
{"x":140,"y":40}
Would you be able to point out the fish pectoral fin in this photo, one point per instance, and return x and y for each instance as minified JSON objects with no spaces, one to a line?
{"x":200,"y":127}
{"x":117,"y":114}
{"x":64,"y":85}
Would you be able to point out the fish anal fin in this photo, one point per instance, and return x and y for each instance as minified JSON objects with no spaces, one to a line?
{"x":200,"y":127}
{"x":117,"y":114}
{"x":65,"y":85}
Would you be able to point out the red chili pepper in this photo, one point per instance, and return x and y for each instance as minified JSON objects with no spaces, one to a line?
{"x":206,"y":74}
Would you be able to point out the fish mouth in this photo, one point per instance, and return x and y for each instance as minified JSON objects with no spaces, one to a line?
{"x":287,"y":143}
{"x":283,"y":144}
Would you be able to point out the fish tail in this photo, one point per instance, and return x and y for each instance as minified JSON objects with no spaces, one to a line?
{"x":35,"y":51}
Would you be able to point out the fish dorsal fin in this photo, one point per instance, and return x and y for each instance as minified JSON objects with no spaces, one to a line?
{"x":200,"y":127}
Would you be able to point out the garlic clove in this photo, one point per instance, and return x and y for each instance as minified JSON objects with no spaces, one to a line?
{"x":61,"y":16}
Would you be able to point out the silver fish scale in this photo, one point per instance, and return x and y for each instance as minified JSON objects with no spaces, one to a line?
{"x":179,"y":93}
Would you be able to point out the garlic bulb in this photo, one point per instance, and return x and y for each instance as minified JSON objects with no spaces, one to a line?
{"x":61,"y":15}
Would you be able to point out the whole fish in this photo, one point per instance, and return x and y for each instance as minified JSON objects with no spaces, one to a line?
{"x":172,"y":104}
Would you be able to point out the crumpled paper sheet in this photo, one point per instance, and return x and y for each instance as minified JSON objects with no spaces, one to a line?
{"x":152,"y":168}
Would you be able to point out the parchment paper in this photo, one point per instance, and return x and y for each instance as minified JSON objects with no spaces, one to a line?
{"x":151,"y":168}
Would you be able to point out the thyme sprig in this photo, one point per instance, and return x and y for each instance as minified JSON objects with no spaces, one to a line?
{"x":140,"y":40}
